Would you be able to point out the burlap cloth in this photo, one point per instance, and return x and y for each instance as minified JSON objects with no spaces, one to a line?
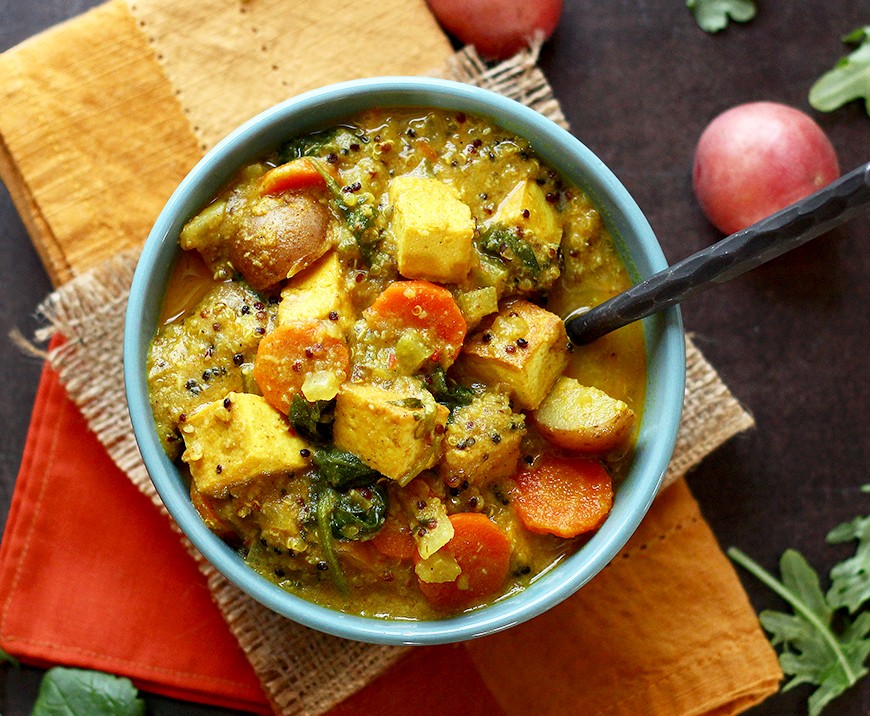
{"x":123,"y":123}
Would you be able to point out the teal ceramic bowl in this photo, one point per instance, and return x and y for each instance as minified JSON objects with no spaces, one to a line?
{"x":664,"y":341}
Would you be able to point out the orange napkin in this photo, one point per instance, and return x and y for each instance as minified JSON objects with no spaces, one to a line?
{"x":91,"y":575}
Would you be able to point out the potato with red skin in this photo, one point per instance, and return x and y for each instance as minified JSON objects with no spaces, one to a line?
{"x":757,"y":158}
{"x":497,"y":28}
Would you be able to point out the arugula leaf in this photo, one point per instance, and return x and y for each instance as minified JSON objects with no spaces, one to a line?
{"x":9,"y":659}
{"x":850,"y":579}
{"x":812,"y":650}
{"x":713,"y":15}
{"x":68,"y":692}
{"x":849,"y":79}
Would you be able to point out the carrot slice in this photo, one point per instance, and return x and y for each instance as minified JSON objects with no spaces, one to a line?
{"x":483,"y":551}
{"x":292,"y":351}
{"x":425,"y":306}
{"x":395,"y":540}
{"x":297,"y":174}
{"x":564,"y":496}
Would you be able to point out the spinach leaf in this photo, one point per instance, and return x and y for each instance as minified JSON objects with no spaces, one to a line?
{"x":713,"y":15}
{"x":849,"y":79}
{"x":447,"y":391}
{"x":319,"y":144}
{"x":825,"y":641}
{"x":505,"y":244}
{"x":342,"y":469}
{"x":312,"y":420}
{"x":69,"y":692}
{"x":359,"y":513}
{"x":359,"y":217}
{"x":316,"y":144}
{"x":326,"y":499}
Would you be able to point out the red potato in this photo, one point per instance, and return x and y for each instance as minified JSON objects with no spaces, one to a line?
{"x":497,"y":28}
{"x":757,"y":158}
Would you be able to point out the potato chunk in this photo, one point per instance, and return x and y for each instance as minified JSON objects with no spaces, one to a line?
{"x":279,"y":236}
{"x":317,"y":292}
{"x":483,"y":441}
{"x":582,"y":418}
{"x":238,"y":440}
{"x":523,"y":348}
{"x":433,"y":230}
{"x":398,"y":433}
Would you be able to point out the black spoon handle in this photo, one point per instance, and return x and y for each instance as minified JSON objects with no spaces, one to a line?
{"x":740,"y":252}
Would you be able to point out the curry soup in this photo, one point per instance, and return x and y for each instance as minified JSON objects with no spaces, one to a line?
{"x":363,"y":370}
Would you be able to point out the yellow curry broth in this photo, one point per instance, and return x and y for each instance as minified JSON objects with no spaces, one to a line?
{"x":199,"y":363}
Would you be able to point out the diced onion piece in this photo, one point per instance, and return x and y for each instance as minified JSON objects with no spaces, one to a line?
{"x":320,"y":385}
{"x":438,"y":533}
{"x":438,"y":568}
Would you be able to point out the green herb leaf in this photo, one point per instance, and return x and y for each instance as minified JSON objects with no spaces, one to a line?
{"x":312,"y":420}
{"x":69,"y":692}
{"x":849,"y":79}
{"x":812,"y":651}
{"x":342,"y":469}
{"x":713,"y":15}
{"x":359,"y":513}
{"x":447,"y":391}
{"x":8,"y":658}
{"x":504,"y":243}
{"x":850,"y":579}
{"x":326,"y":499}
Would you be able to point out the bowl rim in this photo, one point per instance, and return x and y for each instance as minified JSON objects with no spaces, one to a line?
{"x":560,"y":149}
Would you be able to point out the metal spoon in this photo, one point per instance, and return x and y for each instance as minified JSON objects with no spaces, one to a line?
{"x":734,"y":255}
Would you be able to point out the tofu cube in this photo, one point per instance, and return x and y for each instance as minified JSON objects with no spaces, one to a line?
{"x":317,"y":292}
{"x":524,"y":348}
{"x":397,"y":433}
{"x":483,"y":441}
{"x":526,"y":207}
{"x":238,"y":440}
{"x":433,"y":230}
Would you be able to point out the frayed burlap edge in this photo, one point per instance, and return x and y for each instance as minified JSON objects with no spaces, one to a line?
{"x":303,"y":671}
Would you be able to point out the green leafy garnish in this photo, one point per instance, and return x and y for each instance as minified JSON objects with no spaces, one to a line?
{"x":714,"y":15}
{"x":69,"y":692}
{"x":826,"y":641}
{"x":447,"y":391}
{"x":505,"y":244}
{"x":359,"y":513}
{"x":343,"y":469}
{"x":850,"y":579}
{"x":326,"y":499}
{"x":849,"y":79}
{"x":8,"y":658}
{"x":312,"y":420}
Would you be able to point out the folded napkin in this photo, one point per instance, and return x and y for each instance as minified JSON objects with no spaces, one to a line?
{"x":124,"y":106}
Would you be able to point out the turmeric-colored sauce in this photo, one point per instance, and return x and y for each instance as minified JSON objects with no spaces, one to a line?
{"x":362,"y":368}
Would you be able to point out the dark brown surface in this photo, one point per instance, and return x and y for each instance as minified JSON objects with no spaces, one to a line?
{"x":638,"y":81}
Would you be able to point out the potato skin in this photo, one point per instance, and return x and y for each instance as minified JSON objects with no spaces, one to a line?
{"x":583,"y":419}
